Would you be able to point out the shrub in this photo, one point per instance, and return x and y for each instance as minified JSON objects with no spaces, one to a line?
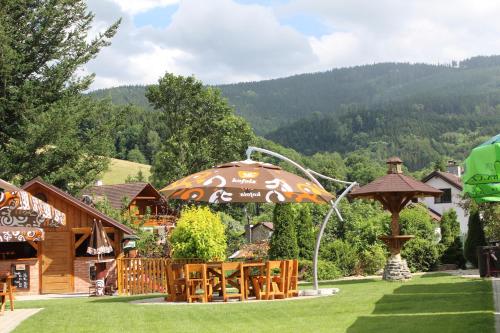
{"x":326,"y":270}
{"x":199,"y":234}
{"x":454,"y":254}
{"x":373,"y":258}
{"x":283,"y":244}
{"x":420,"y":254}
{"x":491,"y":220}
{"x":450,"y":227}
{"x":342,"y":254}
{"x":475,"y":238}
{"x":414,"y":220}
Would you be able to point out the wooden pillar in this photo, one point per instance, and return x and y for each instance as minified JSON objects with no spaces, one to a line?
{"x":395,"y":223}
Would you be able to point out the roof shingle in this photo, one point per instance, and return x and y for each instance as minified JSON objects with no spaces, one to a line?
{"x":79,"y":204}
{"x":448,"y":177}
{"x":116,"y":193}
{"x":395,"y":183}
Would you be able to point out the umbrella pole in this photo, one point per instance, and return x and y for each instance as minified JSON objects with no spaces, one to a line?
{"x":316,"y":247}
{"x":322,"y":229}
{"x":333,"y":208}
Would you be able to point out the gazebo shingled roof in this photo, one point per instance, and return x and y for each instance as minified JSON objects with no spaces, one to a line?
{"x":395,"y":183}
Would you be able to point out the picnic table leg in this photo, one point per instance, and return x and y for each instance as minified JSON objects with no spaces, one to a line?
{"x":3,"y":300}
{"x":11,"y":299}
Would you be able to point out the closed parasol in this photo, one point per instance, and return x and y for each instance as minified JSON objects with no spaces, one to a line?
{"x":99,"y":242}
{"x":482,"y":172}
{"x":246,"y":181}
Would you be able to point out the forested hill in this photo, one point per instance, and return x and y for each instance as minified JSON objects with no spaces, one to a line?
{"x":420,"y":111}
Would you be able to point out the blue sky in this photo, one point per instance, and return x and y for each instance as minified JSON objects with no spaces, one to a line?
{"x":161,"y":17}
{"x":224,"y":41}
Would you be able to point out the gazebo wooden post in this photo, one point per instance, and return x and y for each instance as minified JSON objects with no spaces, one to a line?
{"x":395,"y":223}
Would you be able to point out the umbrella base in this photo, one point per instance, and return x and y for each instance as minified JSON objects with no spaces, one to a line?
{"x":396,"y":269}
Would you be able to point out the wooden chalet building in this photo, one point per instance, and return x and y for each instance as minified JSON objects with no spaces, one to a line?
{"x":60,"y":263}
{"x":140,"y":200}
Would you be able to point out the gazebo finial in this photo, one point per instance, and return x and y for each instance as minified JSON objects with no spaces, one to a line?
{"x":395,"y":165}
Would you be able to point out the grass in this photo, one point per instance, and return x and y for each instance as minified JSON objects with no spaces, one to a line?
{"x":424,"y":304}
{"x":119,"y":170}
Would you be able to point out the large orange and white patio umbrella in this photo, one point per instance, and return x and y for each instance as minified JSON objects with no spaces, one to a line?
{"x":246,"y":181}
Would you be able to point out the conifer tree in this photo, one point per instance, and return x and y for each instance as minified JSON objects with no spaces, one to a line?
{"x":475,"y":238}
{"x":450,"y":239}
{"x":305,"y":233}
{"x":48,"y":128}
{"x":283,"y":243}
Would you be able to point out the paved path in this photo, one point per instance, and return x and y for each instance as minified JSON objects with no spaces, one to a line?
{"x":48,"y":296}
{"x":10,"y":319}
{"x":496,"y":296}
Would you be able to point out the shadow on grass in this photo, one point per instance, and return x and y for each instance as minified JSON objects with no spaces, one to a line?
{"x":436,"y":298}
{"x":470,"y":286}
{"x":456,"y":323}
{"x":461,"y":306}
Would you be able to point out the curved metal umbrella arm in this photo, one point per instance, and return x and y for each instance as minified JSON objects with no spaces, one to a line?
{"x":310,"y":173}
{"x":322,"y":230}
{"x":286,"y":159}
{"x":330,"y":178}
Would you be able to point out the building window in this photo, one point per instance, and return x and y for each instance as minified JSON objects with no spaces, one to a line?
{"x":16,"y":250}
{"x":445,"y":198}
{"x":41,"y":196}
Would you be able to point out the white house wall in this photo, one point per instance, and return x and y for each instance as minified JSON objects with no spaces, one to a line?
{"x":442,"y":207}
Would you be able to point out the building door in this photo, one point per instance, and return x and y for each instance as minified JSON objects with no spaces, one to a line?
{"x":57,"y":263}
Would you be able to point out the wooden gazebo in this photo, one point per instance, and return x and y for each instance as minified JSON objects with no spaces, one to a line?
{"x":394,"y":191}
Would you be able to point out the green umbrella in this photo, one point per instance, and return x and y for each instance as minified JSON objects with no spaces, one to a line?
{"x":482,"y":172}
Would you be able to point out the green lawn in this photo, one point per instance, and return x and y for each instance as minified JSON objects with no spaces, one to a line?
{"x":430,"y":303}
{"x":119,"y":170}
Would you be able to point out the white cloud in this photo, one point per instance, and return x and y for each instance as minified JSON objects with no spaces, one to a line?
{"x":367,"y":31}
{"x":221,"y":41}
{"x":133,"y":7}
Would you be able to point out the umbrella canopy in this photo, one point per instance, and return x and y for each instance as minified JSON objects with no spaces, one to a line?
{"x":482,"y":172}
{"x":99,"y":242}
{"x":246,"y":181}
{"x":21,"y":234}
{"x":21,"y":209}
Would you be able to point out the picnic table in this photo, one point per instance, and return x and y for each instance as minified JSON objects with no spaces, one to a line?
{"x":258,"y":279}
{"x":6,"y":290}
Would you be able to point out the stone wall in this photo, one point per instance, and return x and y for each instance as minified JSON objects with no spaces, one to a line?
{"x":5,"y":265}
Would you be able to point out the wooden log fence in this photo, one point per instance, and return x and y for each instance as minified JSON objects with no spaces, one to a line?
{"x":137,"y":276}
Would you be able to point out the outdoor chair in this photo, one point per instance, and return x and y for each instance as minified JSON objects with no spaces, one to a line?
{"x":235,"y":279}
{"x":196,"y":279}
{"x":176,"y":284}
{"x":271,"y":285}
{"x":6,"y":289}
{"x":291,"y":281}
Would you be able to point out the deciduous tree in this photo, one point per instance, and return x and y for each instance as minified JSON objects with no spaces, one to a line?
{"x":201,"y":127}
